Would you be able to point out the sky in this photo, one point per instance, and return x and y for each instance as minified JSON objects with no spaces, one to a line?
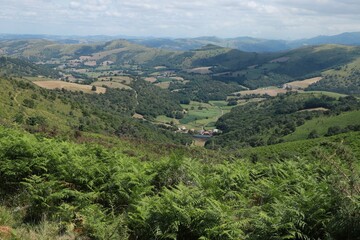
{"x":271,"y":19}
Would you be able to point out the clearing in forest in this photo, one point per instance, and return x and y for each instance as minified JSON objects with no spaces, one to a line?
{"x":69,"y":86}
{"x":303,"y":84}
{"x":271,"y":91}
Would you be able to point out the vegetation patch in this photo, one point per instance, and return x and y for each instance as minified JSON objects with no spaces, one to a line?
{"x":69,"y":86}
{"x":110,"y":84}
{"x":302,"y":84}
{"x":271,"y":91}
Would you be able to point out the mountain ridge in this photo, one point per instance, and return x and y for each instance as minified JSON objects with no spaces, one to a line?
{"x":245,"y":43}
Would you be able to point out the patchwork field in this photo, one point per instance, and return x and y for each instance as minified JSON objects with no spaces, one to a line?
{"x":121,"y":79}
{"x":68,"y":86}
{"x":163,"y":85}
{"x":330,"y":94}
{"x":150,"y":79}
{"x":200,"y":70}
{"x":110,"y":84}
{"x":199,"y":115}
{"x":272,"y":91}
{"x":290,"y":86}
{"x":303,"y":84}
{"x":38,"y":79}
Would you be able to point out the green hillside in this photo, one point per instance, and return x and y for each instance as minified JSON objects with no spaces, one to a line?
{"x":21,"y":68}
{"x":65,"y":113}
{"x":338,"y":64}
{"x":342,"y":79}
{"x":322,"y":124}
{"x":85,"y":191}
{"x":77,"y":165}
{"x":287,"y":117}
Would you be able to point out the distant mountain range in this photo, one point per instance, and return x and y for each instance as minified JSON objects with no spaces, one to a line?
{"x":247,"y":44}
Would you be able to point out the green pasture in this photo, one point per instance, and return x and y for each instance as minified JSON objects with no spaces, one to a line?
{"x":322,"y":124}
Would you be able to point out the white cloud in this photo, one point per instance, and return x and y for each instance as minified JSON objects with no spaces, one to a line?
{"x":182,"y":18}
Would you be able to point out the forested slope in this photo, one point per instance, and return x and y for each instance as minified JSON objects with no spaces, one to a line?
{"x":268,"y":122}
{"x":61,"y":112}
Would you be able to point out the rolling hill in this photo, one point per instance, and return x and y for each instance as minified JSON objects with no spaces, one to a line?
{"x":252,"y":70}
{"x":74,"y":114}
{"x":288,"y":117}
{"x":85,"y":169}
{"x":249,"y":44}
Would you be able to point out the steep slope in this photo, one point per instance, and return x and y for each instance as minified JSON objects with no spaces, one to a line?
{"x":89,"y":191}
{"x":18,"y":67}
{"x":262,"y":70}
{"x":341,"y":79}
{"x":61,"y":112}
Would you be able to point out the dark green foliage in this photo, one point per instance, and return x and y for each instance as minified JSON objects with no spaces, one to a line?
{"x":257,"y":124}
{"x":344,"y":80}
{"x":202,"y":89}
{"x":109,"y":113}
{"x":29,"y":103}
{"x":232,"y":103}
{"x":36,"y":120}
{"x":153,"y":101}
{"x":20,"y":67}
{"x":313,"y":134}
{"x":107,"y":194}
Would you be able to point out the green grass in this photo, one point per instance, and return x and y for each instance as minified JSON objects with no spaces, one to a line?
{"x":301,"y":148}
{"x":199,"y":115}
{"x":164,"y":79}
{"x":322,"y":124}
{"x":55,"y":111}
{"x":330,"y":94}
{"x":33,"y":79}
{"x":165,"y":119}
{"x":204,"y":114}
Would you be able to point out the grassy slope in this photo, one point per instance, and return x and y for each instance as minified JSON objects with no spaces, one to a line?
{"x":301,"y":147}
{"x":286,"y":117}
{"x":321,"y":125}
{"x":342,"y":79}
{"x":55,"y":111}
{"x":199,"y":115}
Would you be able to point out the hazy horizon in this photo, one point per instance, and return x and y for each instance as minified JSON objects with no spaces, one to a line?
{"x":272,"y":19}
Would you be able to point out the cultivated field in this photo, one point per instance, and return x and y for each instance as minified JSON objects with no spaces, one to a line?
{"x":150,"y":79}
{"x":200,"y":70}
{"x":199,"y":115}
{"x":163,"y":85}
{"x":110,"y":84}
{"x":69,"y":86}
{"x":330,"y":94}
{"x":120,"y":79}
{"x":303,"y":84}
{"x":272,"y":91}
